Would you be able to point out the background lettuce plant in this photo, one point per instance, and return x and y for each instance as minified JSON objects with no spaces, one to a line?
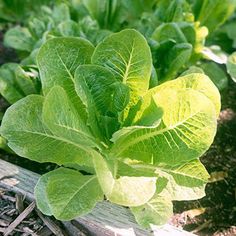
{"x":231,"y":66}
{"x":20,"y":80}
{"x":49,"y":22}
{"x":110,"y":133}
{"x":19,"y":10}
{"x":182,"y":30}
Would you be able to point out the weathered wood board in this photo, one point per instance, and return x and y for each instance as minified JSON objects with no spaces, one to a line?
{"x":105,"y":220}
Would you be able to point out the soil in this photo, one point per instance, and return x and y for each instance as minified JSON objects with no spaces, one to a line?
{"x":19,"y":218}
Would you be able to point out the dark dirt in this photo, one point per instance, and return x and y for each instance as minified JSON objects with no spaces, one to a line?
{"x":219,"y":217}
{"x":13,"y":206}
{"x":36,"y":167}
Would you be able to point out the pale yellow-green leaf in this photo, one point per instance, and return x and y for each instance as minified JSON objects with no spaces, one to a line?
{"x":30,"y":138}
{"x":156,"y":211}
{"x":58,"y":59}
{"x":128,"y":56}
{"x":195,"y":81}
{"x":63,"y":120}
{"x":71,"y":194}
{"x":185,"y":182}
{"x":186,"y":131}
{"x":126,"y":191}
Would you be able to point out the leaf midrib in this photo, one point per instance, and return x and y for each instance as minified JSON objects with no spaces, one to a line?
{"x":155,"y":133}
{"x":74,"y":129}
{"x":53,"y":137}
{"x":76,"y":192}
{"x":153,"y":208}
{"x":169,"y":171}
{"x":64,"y":65}
{"x":182,"y":174}
{"x":126,"y":74}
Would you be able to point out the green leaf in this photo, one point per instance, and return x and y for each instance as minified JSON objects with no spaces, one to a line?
{"x":195,"y":81}
{"x":213,"y":13}
{"x":71,"y":194}
{"x":63,"y":193}
{"x":128,"y":56}
{"x":69,"y":28}
{"x":156,"y":211}
{"x":125,"y":190}
{"x":58,"y":59}
{"x":37,"y":27}
{"x":151,"y":115}
{"x":30,"y":138}
{"x":99,"y":91}
{"x":231,"y":34}
{"x":61,"y":13}
{"x":16,"y":82}
{"x":173,"y":10}
{"x":4,"y":146}
{"x":41,"y":194}
{"x":192,"y":70}
{"x":120,"y":97}
{"x":9,"y":88}
{"x":176,"y":58}
{"x":131,"y":11}
{"x":19,"y":10}
{"x":97,"y":35}
{"x":25,"y":82}
{"x":114,"y":14}
{"x":186,"y":131}
{"x":94,"y":84}
{"x":189,"y":31}
{"x":99,"y":10}
{"x":186,"y":181}
{"x":103,"y":96}
{"x":63,"y":120}
{"x":154,"y":79}
{"x":19,"y":38}
{"x":200,"y":83}
{"x":181,"y":182}
{"x":132,"y":169}
{"x":168,"y":31}
{"x":216,"y":74}
{"x":231,"y":66}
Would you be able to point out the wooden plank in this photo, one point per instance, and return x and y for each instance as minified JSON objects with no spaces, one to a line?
{"x":106,"y":219}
